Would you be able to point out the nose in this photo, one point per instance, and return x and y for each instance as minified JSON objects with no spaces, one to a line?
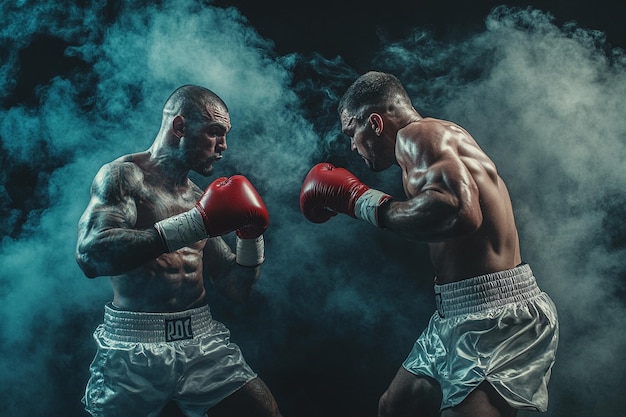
{"x":220,"y":144}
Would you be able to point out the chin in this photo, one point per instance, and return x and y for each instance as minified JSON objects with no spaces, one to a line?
{"x":205,"y":172}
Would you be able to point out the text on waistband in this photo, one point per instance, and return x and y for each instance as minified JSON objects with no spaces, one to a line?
{"x":178,"y":329}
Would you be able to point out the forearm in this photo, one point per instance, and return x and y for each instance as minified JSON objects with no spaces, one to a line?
{"x":115,"y":251}
{"x":229,"y":278}
{"x":237,"y":283}
{"x":421,"y":218}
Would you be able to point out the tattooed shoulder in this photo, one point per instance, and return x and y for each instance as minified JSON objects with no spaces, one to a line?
{"x":116,"y":181}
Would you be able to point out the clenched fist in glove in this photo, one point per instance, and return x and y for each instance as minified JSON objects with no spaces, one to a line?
{"x":328,"y":190}
{"x":227,"y":204}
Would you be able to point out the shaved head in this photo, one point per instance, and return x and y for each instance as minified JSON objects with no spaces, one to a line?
{"x":191,"y":101}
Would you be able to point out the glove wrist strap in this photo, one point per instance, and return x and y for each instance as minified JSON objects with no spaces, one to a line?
{"x":250,"y":252}
{"x":181,"y":229}
{"x":366,"y":207}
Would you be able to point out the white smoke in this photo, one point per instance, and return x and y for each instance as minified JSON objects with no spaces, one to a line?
{"x":547,"y":104}
{"x":339,"y":303}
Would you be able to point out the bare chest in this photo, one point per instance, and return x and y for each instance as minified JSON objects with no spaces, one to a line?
{"x":154,"y":202}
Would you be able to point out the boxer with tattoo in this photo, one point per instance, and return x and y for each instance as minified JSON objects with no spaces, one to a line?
{"x":158,"y":236}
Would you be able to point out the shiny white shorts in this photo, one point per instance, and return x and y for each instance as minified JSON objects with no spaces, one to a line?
{"x":499,"y":328}
{"x":144,"y":360}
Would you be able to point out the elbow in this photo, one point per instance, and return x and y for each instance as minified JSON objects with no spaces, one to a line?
{"x":243,"y":291}
{"x":236,"y":286}
{"x":461,"y":223}
{"x":468,"y":222}
{"x":236,"y":295}
{"x":86,"y":264}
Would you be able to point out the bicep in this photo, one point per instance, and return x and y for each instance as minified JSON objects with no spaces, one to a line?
{"x":450,"y":185}
{"x":429,"y":157}
{"x":110,"y":207}
{"x":448,"y":180}
{"x":442,"y":203}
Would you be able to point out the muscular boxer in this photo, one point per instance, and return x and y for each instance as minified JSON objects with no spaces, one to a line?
{"x":489,"y":348}
{"x":158,"y":237}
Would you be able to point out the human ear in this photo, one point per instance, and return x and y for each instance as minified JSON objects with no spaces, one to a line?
{"x":376,"y":121}
{"x":178,"y":126}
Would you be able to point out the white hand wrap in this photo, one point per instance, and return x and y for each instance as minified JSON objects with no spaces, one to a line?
{"x":250,"y":252}
{"x":182,"y":229}
{"x":366,"y":207}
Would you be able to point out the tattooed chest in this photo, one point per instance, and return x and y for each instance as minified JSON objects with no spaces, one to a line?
{"x":154,"y":204}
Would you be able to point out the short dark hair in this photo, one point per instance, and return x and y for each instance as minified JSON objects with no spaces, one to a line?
{"x":372,"y":91}
{"x":191,"y":101}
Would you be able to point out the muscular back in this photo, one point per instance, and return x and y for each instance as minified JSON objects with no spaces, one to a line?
{"x":465,"y":206}
{"x":116,"y":237}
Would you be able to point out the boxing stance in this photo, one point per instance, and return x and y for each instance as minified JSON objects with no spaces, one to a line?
{"x":158,"y":237}
{"x":489,"y":348}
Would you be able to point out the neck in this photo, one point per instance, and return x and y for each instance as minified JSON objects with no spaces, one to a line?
{"x":412,"y":118}
{"x":165,"y":164}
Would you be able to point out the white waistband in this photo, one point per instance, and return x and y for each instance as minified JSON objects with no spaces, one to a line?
{"x":136,"y":326}
{"x":480,"y":293}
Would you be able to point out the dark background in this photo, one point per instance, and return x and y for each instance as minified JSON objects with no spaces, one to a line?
{"x":340,"y":304}
{"x":352,"y":29}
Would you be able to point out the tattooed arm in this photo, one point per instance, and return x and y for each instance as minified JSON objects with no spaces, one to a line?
{"x":107,"y":243}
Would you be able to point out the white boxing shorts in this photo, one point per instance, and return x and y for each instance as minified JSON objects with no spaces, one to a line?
{"x":144,"y":360}
{"x":499,"y":328}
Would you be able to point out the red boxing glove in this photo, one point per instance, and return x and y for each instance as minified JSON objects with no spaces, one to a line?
{"x":226,"y":205}
{"x":233,"y":204}
{"x":328,"y":190}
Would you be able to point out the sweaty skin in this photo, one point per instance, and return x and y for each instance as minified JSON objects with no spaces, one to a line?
{"x":116,"y":236}
{"x":456,"y":202}
{"x":459,"y":206}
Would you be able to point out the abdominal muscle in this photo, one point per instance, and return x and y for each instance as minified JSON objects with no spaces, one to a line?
{"x":172,"y":282}
{"x":462,"y":258}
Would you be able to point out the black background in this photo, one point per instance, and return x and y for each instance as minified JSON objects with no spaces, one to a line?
{"x":340,"y":372}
